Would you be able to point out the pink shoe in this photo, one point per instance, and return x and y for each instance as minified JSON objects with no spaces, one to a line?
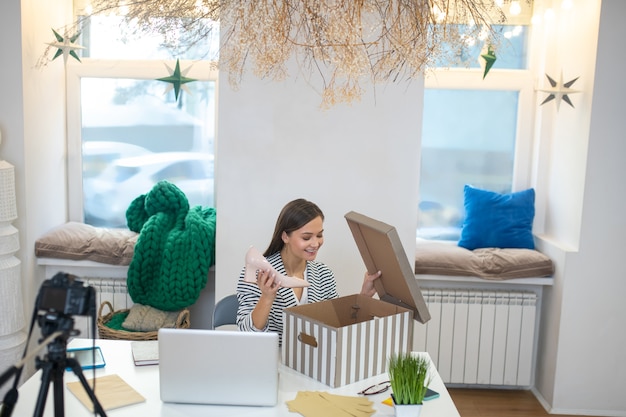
{"x":256,"y":261}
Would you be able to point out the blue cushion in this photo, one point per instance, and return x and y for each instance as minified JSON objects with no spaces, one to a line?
{"x":494,"y":220}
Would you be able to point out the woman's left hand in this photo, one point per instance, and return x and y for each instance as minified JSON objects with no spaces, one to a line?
{"x":368,"y":284}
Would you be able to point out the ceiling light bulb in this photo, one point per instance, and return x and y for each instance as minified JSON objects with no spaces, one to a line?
{"x":567,"y":5}
{"x":440,"y":16}
{"x":515,"y":8}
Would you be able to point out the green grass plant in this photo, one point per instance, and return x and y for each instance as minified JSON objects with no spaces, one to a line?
{"x":408,"y":376}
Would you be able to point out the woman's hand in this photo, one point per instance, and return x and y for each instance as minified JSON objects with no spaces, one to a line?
{"x":269,"y":288}
{"x":368,"y":284}
{"x":267,"y":284}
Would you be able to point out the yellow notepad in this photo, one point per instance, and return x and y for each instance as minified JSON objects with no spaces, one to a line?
{"x":111,"y":391}
{"x":324,"y":404}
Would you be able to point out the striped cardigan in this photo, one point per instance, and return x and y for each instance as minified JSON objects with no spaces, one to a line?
{"x":322,"y":287}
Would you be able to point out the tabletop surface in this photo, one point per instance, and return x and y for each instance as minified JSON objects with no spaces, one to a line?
{"x":145,"y":380}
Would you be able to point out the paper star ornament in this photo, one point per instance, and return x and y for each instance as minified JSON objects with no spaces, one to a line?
{"x":66,"y":46}
{"x":559,"y":91}
{"x":490,"y":59}
{"x":177,"y":79}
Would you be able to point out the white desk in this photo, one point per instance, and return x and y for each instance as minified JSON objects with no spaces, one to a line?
{"x":145,"y":379}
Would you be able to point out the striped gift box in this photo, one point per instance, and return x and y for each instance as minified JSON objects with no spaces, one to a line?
{"x":344,"y":340}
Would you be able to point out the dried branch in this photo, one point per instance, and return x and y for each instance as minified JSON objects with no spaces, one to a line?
{"x":344,"y":41}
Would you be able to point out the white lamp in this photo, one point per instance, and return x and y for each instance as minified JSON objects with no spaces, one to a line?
{"x":12,"y":322}
{"x":8,"y":208}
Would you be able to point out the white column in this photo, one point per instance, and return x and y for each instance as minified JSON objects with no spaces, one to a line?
{"x":12,"y":323}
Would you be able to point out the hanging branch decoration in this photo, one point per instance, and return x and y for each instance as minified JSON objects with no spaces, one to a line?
{"x":347,"y":42}
{"x":490,"y":59}
{"x":338,"y":43}
{"x":66,"y":46}
{"x":559,"y":91}
{"x":177,"y":79}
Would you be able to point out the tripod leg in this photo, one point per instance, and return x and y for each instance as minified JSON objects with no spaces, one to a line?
{"x":57,"y":387}
{"x":73,"y":363}
{"x":43,"y":390}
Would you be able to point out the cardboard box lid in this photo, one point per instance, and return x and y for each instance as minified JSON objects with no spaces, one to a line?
{"x":382,"y":250}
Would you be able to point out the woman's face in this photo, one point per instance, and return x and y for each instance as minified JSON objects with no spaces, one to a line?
{"x":304,"y":242}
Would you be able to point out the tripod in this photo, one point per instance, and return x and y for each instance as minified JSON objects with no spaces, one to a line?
{"x":59,"y":298}
{"x":53,"y":366}
{"x":56,"y":329}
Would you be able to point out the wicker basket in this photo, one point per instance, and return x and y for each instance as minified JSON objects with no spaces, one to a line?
{"x":182,"y":322}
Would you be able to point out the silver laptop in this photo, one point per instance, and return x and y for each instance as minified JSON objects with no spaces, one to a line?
{"x":218,"y":367}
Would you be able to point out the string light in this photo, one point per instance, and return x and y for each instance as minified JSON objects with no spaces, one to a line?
{"x":515,"y":8}
{"x":536,"y":19}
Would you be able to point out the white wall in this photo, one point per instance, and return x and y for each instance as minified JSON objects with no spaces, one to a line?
{"x":32,"y":120}
{"x":11,"y":99}
{"x":590,"y":344}
{"x":579,"y":368}
{"x":565,"y":45}
{"x":563,"y":137}
{"x":43,"y":179}
{"x":275,"y":144}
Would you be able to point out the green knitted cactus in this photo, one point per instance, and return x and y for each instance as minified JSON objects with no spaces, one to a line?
{"x":174,"y":251}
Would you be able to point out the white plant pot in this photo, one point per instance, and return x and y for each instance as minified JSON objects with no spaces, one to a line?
{"x":406,"y":410}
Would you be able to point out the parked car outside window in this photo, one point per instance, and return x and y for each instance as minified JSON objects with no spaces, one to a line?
{"x":108,"y":195}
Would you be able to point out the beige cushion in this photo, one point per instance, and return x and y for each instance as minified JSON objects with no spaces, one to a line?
{"x":78,"y":241}
{"x":145,"y":318}
{"x":437,"y":258}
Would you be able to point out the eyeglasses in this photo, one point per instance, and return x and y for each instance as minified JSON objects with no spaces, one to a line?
{"x":376,"y":389}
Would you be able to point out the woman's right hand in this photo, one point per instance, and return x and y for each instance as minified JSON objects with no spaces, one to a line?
{"x":269,"y":288}
{"x":267,"y":284}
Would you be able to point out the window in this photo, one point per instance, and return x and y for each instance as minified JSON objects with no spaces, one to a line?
{"x":128,"y":130}
{"x":474,"y":131}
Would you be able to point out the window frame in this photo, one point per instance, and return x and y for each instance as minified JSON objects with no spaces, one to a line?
{"x":97,"y":68}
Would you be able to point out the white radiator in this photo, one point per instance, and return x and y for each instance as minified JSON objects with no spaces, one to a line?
{"x":107,"y":289}
{"x":480,"y":337}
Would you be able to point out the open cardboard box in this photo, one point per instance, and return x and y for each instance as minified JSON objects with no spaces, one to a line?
{"x":350,"y":338}
{"x":381,"y":250}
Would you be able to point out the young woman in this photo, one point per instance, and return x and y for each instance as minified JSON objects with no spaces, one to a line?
{"x":298,"y":236}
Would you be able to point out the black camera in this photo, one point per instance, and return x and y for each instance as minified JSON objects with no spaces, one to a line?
{"x":64,"y":294}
